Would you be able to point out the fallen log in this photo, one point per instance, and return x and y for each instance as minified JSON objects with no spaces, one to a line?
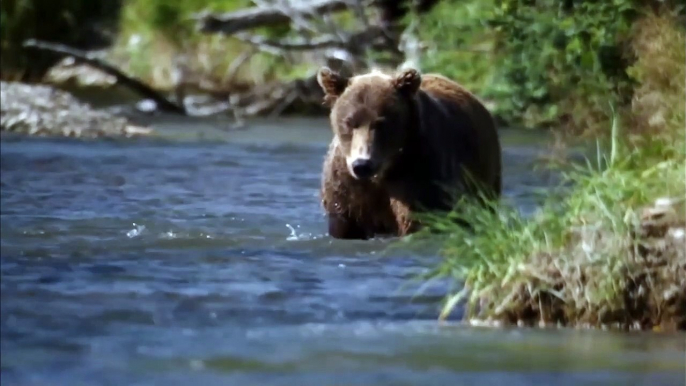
{"x":368,"y":37}
{"x":124,"y":80}
{"x":245,"y":19}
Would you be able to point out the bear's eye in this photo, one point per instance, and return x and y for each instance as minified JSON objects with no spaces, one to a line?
{"x":351,"y":123}
{"x":379,"y":123}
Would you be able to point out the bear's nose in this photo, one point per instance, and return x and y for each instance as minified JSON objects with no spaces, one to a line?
{"x":363,"y":168}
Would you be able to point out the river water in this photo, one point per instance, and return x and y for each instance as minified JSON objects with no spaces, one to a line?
{"x":201,"y":257}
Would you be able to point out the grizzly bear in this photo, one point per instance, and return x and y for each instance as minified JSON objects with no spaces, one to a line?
{"x":403,"y":143}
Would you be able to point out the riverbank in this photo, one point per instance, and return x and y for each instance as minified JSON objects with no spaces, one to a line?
{"x":609,"y":249}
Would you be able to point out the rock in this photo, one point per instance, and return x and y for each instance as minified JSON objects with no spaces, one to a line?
{"x":46,"y":111}
{"x":663,"y":218}
{"x":68,"y":70}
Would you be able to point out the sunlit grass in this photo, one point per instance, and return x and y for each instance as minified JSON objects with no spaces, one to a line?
{"x":572,"y":262}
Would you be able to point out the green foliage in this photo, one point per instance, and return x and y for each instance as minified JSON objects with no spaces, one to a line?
{"x":170,"y":19}
{"x":155,"y":32}
{"x":539,"y":61}
{"x":557,"y":49}
{"x":461,"y":46}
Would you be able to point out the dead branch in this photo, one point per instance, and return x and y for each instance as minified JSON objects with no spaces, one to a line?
{"x":249,"y":18}
{"x":236,"y":64}
{"x":274,"y":99}
{"x":362,"y":38}
{"x":297,"y":17}
{"x":90,"y":59}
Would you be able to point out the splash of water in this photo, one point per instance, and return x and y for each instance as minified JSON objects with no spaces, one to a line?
{"x":136,"y":231}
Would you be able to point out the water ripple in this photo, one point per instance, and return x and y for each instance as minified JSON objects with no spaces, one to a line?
{"x":167,"y":263}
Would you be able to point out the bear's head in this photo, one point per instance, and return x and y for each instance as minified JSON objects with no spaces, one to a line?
{"x":371,"y":115}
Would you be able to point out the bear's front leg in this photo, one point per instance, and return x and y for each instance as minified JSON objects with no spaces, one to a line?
{"x":345,"y":227}
{"x":403,"y":217}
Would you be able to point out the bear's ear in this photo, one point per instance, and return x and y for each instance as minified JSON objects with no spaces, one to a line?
{"x":408,"y":81}
{"x":331,"y":82}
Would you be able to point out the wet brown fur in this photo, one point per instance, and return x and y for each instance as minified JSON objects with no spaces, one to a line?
{"x":432,"y":128}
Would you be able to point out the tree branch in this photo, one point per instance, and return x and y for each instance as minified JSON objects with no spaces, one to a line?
{"x":357,"y":40}
{"x":249,"y":18}
{"x":89,"y":58}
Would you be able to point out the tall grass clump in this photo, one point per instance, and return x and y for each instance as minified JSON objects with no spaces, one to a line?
{"x":610,"y":251}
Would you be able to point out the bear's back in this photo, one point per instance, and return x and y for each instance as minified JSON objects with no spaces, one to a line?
{"x":456,"y":130}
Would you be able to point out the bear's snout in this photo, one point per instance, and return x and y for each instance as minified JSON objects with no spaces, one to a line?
{"x":363,"y":168}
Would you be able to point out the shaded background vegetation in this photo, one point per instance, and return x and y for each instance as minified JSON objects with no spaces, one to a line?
{"x":537,"y":62}
{"x":80,"y":23}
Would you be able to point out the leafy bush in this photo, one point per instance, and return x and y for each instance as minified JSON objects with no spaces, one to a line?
{"x":582,"y":260}
{"x":542,"y":61}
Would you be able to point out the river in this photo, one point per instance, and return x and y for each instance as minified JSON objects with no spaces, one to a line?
{"x":201,"y":257}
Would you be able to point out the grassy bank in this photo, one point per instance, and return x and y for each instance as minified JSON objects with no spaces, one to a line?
{"x":610,"y":250}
